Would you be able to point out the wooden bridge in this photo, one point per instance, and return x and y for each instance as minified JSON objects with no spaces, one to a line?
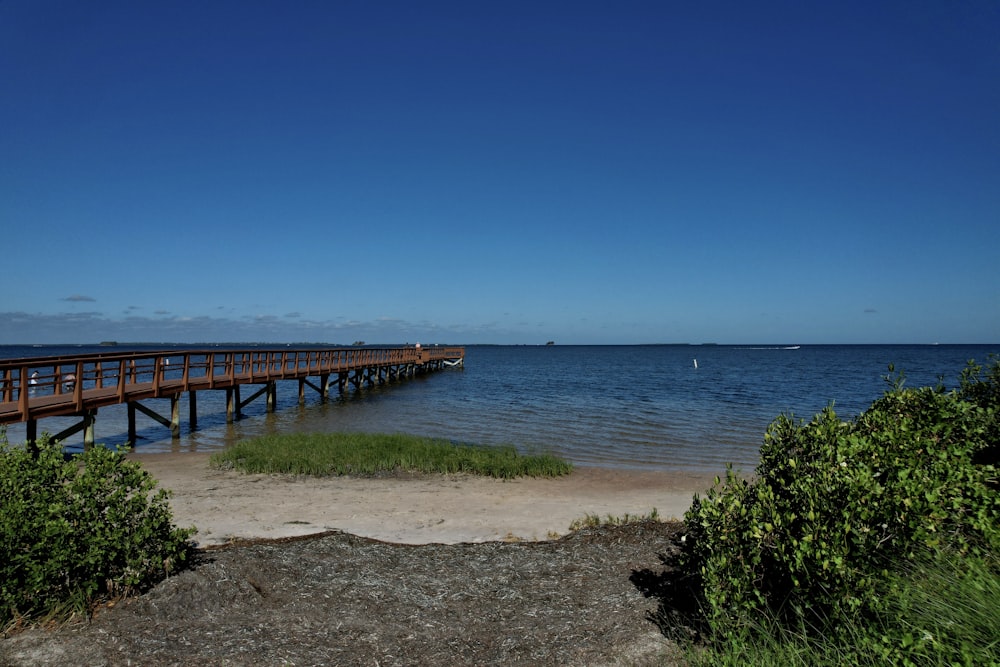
{"x":38,"y":387}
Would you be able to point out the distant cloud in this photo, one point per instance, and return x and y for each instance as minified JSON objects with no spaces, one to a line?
{"x":92,"y":327}
{"x":870,"y":310}
{"x":161,"y":312}
{"x":78,"y":297}
{"x":293,"y":315}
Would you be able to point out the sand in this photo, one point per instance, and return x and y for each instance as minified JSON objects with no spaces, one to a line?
{"x":228,"y":506}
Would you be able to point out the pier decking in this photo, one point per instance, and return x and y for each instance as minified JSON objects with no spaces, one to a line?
{"x":39,"y":387}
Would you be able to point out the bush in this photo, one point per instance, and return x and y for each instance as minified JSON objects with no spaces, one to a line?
{"x":940,"y":610}
{"x":836,"y":505}
{"x":74,"y":531}
{"x":985,"y":392}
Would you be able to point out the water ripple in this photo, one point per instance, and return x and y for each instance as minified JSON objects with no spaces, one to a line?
{"x":640,"y":406}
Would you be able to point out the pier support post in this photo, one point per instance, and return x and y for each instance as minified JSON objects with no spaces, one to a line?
{"x":175,"y":416}
{"x":272,"y":396}
{"x":89,"y":419}
{"x":193,"y":409}
{"x":131,"y":426}
{"x":173,"y":423}
{"x":31,"y":435}
{"x":232,"y":404}
{"x":268,"y":391}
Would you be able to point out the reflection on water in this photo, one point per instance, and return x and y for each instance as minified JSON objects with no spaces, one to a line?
{"x":629,"y":406}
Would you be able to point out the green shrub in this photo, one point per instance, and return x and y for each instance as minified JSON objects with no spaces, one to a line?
{"x":940,"y":609}
{"x":75,"y":530}
{"x":835,"y":505}
{"x":984,"y":391}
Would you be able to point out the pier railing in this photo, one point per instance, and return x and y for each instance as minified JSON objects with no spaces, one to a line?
{"x":38,"y":387}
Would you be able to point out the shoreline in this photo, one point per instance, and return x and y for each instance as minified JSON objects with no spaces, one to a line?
{"x":228,"y":506}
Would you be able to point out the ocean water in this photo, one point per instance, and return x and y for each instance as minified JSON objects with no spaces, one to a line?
{"x":685,"y":408}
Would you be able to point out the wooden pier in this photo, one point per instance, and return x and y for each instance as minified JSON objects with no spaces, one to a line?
{"x":37,"y":387}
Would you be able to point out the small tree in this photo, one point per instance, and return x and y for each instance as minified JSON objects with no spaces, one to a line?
{"x":74,"y":530}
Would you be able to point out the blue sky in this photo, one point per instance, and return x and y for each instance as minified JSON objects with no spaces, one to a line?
{"x":517,"y":172}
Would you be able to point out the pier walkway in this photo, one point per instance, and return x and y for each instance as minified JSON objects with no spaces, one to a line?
{"x":38,"y":387}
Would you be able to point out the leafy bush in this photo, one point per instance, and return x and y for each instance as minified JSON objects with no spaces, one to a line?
{"x":73,"y":531}
{"x":984,"y":391}
{"x":940,"y":610}
{"x":836,"y":505}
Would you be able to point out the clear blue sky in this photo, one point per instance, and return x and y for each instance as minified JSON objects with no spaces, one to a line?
{"x":515,"y":172}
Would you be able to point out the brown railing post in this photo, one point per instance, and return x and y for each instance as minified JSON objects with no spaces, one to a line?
{"x":210,"y":368}
{"x":156,"y":376}
{"x":22,"y":397}
{"x":122,"y":381}
{"x":78,"y":387}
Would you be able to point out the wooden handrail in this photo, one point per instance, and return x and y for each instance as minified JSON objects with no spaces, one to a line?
{"x":35,"y":387}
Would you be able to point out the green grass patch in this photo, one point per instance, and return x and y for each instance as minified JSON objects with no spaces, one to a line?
{"x":364,"y":454}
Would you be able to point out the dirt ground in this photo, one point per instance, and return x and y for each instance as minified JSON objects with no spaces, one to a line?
{"x":340,"y":598}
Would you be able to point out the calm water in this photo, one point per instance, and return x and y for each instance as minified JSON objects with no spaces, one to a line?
{"x":646,"y":407}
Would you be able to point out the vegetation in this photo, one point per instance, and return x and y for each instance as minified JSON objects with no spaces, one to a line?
{"x":373,"y":454}
{"x":835,"y":539}
{"x":595,"y":520}
{"x":78,"y":530}
{"x":940,"y":610}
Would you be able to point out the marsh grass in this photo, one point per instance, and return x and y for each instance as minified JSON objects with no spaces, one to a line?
{"x":949,"y":607}
{"x":374,"y":453}
{"x":942,"y":611}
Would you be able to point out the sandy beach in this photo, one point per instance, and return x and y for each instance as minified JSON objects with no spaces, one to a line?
{"x":226,"y":505}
